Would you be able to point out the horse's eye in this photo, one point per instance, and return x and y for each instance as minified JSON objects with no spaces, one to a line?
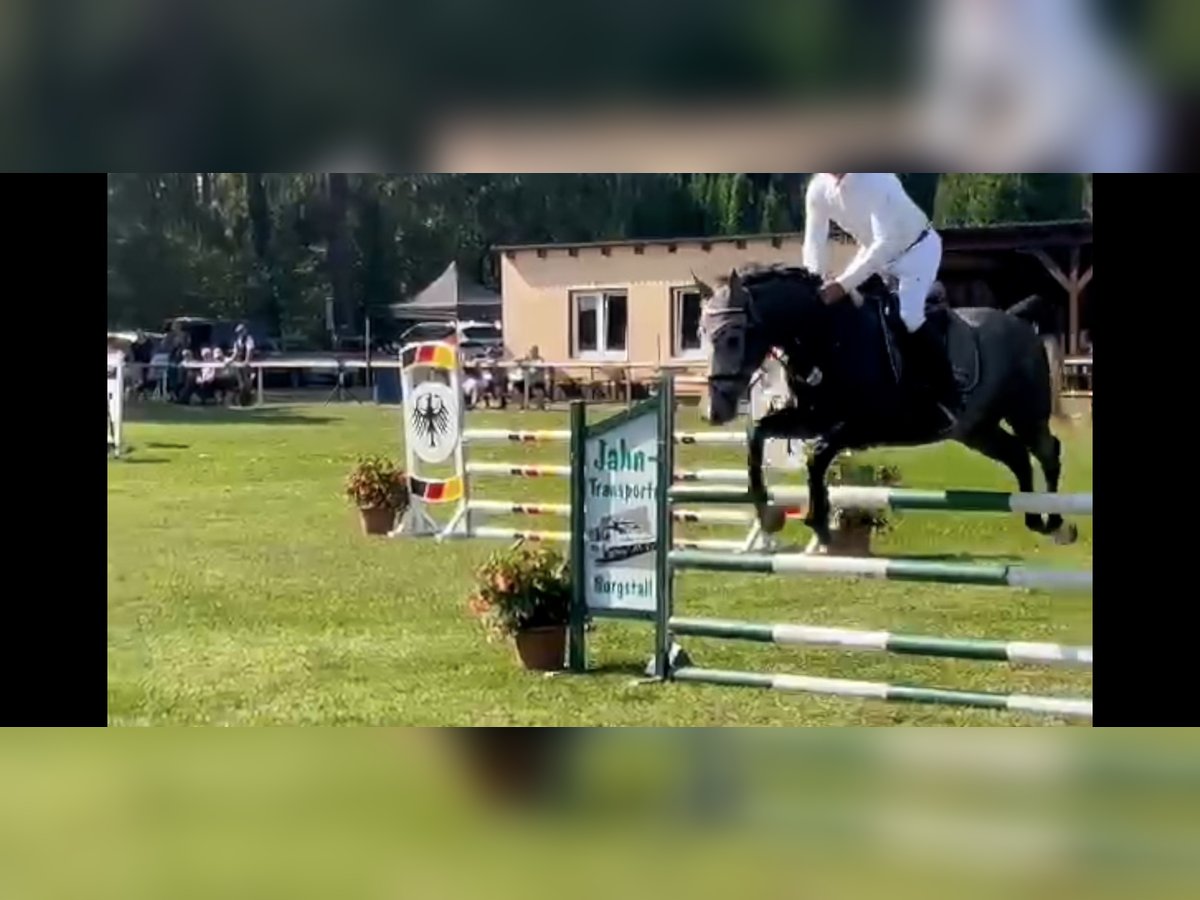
{"x":731,"y":342}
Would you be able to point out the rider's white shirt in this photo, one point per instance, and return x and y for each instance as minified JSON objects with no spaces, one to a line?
{"x":874,"y":209}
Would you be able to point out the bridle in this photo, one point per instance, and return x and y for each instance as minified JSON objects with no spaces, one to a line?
{"x":745,"y":317}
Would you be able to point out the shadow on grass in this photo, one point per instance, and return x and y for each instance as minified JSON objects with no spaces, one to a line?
{"x":960,"y":557}
{"x":635,"y":670}
{"x":155,"y":445}
{"x":172,"y":413}
{"x":143,"y":460}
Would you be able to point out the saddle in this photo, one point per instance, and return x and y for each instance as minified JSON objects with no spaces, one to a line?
{"x":957,"y":336}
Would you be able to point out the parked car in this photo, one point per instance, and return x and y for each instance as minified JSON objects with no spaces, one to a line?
{"x":476,"y":339}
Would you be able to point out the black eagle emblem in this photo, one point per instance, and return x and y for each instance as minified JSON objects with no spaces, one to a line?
{"x":431,"y":419}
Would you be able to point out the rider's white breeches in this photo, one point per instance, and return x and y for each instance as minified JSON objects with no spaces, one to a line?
{"x":916,"y":271}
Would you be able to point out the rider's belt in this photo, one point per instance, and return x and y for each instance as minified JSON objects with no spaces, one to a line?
{"x":920,"y":237}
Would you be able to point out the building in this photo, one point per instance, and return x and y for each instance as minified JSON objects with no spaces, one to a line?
{"x":625,"y":301}
{"x":636,"y":301}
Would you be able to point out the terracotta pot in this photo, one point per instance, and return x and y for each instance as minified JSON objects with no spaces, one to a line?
{"x":542,"y":649}
{"x":852,"y":540}
{"x":377,"y":519}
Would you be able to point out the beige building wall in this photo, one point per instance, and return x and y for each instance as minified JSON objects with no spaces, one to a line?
{"x":536,"y":286}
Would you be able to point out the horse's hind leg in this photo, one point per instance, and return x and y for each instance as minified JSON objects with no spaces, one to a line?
{"x":1047,"y":449}
{"x":996,"y":443}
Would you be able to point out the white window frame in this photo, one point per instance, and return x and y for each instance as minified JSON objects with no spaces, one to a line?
{"x":677,"y":350}
{"x":602,"y":353}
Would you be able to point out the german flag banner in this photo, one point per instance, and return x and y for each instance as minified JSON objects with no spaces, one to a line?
{"x":447,"y":491}
{"x":437,"y":356}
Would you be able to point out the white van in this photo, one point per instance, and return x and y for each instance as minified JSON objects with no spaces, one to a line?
{"x":615,"y":539}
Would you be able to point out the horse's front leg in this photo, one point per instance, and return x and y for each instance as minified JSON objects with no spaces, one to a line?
{"x":771,"y":519}
{"x":824,"y":452}
{"x":788,"y":422}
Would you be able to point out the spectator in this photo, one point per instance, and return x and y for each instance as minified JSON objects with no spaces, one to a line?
{"x":186,"y":379}
{"x":243,"y":353}
{"x":176,"y":343}
{"x":141,"y":353}
{"x":226,"y":382}
{"x":206,"y":380}
{"x":471,"y":385}
{"x":494,"y":378}
{"x":530,"y":370}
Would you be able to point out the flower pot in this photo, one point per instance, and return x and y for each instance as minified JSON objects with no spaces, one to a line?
{"x":542,"y":649}
{"x":851,"y":539}
{"x":377,"y":519}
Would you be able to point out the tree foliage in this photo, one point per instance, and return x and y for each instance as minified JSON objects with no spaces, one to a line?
{"x":988,"y":199}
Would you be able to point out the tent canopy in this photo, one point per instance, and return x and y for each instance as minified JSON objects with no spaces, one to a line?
{"x":450,"y":296}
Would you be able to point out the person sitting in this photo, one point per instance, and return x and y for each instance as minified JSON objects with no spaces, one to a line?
{"x":205,"y":380}
{"x":529,"y":379}
{"x":225,"y":383}
{"x":471,"y":384}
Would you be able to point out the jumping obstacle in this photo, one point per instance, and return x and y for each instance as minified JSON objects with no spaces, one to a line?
{"x":884,"y":498}
{"x":638,"y":488}
{"x":887,"y":569}
{"x":433,"y":408}
{"x":116,"y":402}
{"x":642,"y":587}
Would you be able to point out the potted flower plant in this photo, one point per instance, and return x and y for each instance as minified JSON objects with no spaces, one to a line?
{"x":525,"y":593}
{"x":852,"y":528}
{"x":379,"y":488}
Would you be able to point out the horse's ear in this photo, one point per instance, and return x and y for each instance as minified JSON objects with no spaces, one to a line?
{"x":706,"y":292}
{"x":735,"y":282}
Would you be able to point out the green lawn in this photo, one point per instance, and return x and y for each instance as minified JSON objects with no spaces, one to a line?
{"x":241,"y":591}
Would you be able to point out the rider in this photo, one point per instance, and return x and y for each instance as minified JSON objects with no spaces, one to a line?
{"x":895,"y":238}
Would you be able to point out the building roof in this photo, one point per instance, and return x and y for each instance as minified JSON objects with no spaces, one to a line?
{"x":1002,"y":236}
{"x":1018,"y":235}
{"x":777,"y":237}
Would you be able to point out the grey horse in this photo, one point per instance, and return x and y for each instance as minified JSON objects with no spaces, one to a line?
{"x":851,"y":390}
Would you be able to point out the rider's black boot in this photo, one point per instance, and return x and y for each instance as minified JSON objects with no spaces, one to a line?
{"x":934,"y":369}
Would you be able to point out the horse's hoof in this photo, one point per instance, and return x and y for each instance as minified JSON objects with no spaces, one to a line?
{"x":772,"y":519}
{"x":1067,"y":533}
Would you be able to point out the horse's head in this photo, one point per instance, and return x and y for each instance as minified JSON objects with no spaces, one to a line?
{"x":744,"y":317}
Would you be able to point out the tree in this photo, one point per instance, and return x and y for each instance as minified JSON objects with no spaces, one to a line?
{"x":990,"y":199}
{"x":339,"y":259}
{"x":923,"y":188}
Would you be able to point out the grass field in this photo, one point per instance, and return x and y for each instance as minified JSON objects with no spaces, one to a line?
{"x":241,"y":591}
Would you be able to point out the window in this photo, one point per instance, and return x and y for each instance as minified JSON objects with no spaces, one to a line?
{"x":600,"y":324}
{"x":686,"y":304}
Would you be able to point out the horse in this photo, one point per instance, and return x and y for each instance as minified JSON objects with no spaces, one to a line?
{"x":852,"y":391}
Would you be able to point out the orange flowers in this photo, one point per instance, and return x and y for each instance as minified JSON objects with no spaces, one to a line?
{"x":521,"y":588}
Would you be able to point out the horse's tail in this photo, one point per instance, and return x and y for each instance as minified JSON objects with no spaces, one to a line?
{"x":1038,"y":312}
{"x":1032,"y":309}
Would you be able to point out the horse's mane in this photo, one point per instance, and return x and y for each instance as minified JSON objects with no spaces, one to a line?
{"x":758,"y":274}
